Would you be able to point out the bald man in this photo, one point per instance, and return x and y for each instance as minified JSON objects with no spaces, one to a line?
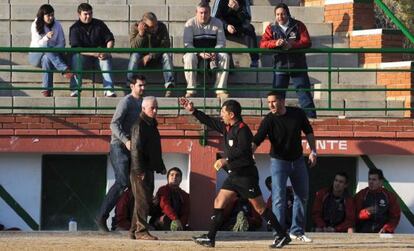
{"x":146,"y":157}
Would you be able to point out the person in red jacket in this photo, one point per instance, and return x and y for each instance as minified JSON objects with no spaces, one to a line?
{"x":288,"y":33}
{"x":123,"y":212}
{"x":173,"y":204}
{"x":377,"y":209}
{"x":333,"y":208}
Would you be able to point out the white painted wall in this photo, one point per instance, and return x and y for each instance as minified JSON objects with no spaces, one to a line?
{"x":20,"y":175}
{"x":399,"y":171}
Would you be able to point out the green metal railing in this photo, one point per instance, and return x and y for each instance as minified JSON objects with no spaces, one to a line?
{"x":330,"y":52}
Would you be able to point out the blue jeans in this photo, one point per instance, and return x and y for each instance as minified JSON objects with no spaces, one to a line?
{"x":301,"y":81}
{"x":48,"y":61}
{"x":105,"y":65}
{"x":298,"y":173}
{"x":120,"y":158}
{"x":165,"y":60}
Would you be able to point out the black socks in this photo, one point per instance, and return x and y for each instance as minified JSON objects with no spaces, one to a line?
{"x":271,"y":219}
{"x":216,"y":222}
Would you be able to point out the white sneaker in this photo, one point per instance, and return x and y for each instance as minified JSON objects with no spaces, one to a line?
{"x":109,"y":94}
{"x":300,"y":237}
{"x":74,"y":94}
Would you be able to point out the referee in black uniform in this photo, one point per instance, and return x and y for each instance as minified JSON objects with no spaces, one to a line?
{"x":243,"y":179}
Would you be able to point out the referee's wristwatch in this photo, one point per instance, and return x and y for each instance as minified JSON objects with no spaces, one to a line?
{"x":314,"y":153}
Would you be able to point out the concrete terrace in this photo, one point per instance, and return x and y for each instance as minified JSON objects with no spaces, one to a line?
{"x":17,"y":16}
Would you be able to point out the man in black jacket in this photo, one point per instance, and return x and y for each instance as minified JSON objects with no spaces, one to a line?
{"x":243,"y":179}
{"x":89,"y":32}
{"x":146,"y":157}
{"x":283,"y":126}
{"x":236,"y":18}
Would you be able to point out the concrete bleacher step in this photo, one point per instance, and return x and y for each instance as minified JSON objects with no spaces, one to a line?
{"x":275,"y":2}
{"x":304,"y":14}
{"x":368,"y":94}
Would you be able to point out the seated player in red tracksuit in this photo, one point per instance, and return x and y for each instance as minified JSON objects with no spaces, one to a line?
{"x":123,"y":212}
{"x":333,"y":209}
{"x":377,"y":209}
{"x":172,"y":204}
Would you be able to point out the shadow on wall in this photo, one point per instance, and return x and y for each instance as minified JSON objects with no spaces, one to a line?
{"x":202,"y":194}
{"x":344,"y":25}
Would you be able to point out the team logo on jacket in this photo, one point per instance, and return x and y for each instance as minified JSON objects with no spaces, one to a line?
{"x":382,"y":203}
{"x":292,"y":35}
{"x":231,"y":142}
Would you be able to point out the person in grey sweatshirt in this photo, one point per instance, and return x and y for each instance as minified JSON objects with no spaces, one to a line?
{"x":126,"y":113}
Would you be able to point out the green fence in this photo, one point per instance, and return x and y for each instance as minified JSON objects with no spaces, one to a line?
{"x":203,"y":89}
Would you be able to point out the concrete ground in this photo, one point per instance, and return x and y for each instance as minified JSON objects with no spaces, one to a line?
{"x":88,"y":240}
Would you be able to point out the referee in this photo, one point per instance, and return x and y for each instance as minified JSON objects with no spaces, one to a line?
{"x":243,"y":179}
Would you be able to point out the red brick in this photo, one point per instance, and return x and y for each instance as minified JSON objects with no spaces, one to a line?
{"x":78,"y":120}
{"x":167,"y":127}
{"x":7,"y":119}
{"x":320,"y":127}
{"x":401,"y":123}
{"x":15,"y":125}
{"x":405,"y":134}
{"x":408,"y":128}
{"x":64,"y":125}
{"x":375,"y":122}
{"x":105,"y":120}
{"x":172,"y":133}
{"x":375,"y":134}
{"x":90,"y":126}
{"x":39,"y":125}
{"x":324,"y":122}
{"x":189,"y":126}
{"x":27,"y":119}
{"x":35,"y":132}
{"x":365,"y":128}
{"x":192,"y":133}
{"x":340,"y":128}
{"x":6,"y":132}
{"x":391,"y":128}
{"x":180,"y":120}
{"x":333,"y":134}
{"x":105,"y":132}
{"x":78,"y":132}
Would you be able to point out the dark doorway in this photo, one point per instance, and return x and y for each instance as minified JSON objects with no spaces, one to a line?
{"x":72,"y":187}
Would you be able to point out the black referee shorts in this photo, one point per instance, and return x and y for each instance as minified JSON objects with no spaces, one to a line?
{"x":246,"y":186}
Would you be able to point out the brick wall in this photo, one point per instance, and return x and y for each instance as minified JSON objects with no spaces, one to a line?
{"x":398,"y":80}
{"x":381,"y":39}
{"x":187,"y":126}
{"x":350,"y":16}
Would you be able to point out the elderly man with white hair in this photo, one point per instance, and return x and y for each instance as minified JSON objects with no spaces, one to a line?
{"x":146,"y":157}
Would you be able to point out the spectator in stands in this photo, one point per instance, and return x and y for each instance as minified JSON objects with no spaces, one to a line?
{"x":123,"y":212}
{"x":90,"y":32}
{"x":151,"y":33}
{"x":204,"y":31}
{"x":173,"y":204}
{"x":240,"y":216}
{"x":377,"y":209}
{"x":288,"y":33}
{"x":146,"y":158}
{"x":48,"y":33}
{"x":333,"y":208}
{"x":126,"y":113}
{"x":236,"y":17}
